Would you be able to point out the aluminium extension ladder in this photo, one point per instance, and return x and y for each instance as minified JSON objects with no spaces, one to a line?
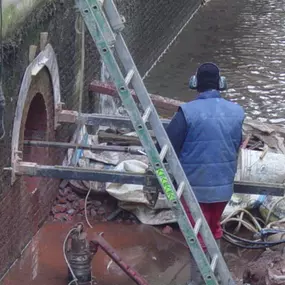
{"x":105,"y":25}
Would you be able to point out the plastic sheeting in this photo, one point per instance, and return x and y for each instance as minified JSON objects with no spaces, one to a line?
{"x":133,"y":199}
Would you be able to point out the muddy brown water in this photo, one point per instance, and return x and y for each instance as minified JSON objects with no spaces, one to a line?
{"x":160,"y":259}
{"x":246,"y":38}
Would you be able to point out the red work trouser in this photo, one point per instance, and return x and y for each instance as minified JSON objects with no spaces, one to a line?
{"x":212,"y":213}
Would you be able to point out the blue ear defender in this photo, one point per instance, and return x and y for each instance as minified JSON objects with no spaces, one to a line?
{"x":223,"y":84}
{"x":193,"y":83}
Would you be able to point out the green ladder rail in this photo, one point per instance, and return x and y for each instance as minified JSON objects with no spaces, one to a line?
{"x":105,"y":25}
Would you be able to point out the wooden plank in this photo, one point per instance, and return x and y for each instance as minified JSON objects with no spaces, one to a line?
{"x":73,"y":117}
{"x":165,"y":107}
{"x":118,"y":139}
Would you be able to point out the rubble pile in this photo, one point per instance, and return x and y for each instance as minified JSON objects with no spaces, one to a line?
{"x":70,"y":205}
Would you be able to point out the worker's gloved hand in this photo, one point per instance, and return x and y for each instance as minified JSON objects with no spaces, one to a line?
{"x":2,"y":109}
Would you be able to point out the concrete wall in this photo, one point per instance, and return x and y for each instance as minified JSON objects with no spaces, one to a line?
{"x":151,"y":25}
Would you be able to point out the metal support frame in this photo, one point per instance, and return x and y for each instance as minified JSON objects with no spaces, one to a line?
{"x":71,"y":117}
{"x":248,"y":187}
{"x":149,"y":180}
{"x":131,"y":150}
{"x":89,"y":174}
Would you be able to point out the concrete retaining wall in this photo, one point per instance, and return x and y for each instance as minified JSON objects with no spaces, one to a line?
{"x":151,"y":24}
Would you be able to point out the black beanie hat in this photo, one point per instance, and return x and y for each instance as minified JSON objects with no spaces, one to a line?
{"x":208,"y":76}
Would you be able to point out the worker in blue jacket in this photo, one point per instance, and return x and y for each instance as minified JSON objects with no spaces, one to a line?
{"x":206,"y":134}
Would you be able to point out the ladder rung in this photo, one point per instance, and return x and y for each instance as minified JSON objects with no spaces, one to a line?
{"x":129,"y":76}
{"x":180,"y":189}
{"x":197,"y":226}
{"x":214,"y":262}
{"x":163,"y":152}
{"x":146,"y":114}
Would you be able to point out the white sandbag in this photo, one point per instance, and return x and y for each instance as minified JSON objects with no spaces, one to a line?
{"x":133,"y":199}
{"x":128,"y":192}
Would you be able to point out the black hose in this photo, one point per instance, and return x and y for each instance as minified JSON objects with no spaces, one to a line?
{"x":251,"y":244}
{"x":237,"y":244}
{"x":255,"y":242}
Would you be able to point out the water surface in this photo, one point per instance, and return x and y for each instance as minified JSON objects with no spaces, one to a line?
{"x":246,"y":39}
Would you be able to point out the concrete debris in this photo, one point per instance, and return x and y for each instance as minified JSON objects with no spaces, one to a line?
{"x":60,"y":208}
{"x":262,"y":134}
{"x":268,"y":269}
{"x":63,"y":217}
{"x":167,"y":230}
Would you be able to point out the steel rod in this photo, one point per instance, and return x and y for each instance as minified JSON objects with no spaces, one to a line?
{"x":132,"y":150}
{"x":248,"y":187}
{"x":89,"y":174}
{"x":113,"y":254}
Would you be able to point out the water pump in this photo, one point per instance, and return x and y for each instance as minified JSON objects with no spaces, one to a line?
{"x":79,"y":254}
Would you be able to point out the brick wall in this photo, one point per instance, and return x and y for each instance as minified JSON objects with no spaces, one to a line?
{"x":151,"y":24}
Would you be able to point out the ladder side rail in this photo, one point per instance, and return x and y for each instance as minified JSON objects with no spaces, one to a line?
{"x":142,"y":131}
{"x":139,"y":125}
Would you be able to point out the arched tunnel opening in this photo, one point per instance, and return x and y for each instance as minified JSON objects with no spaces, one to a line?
{"x":35,"y":129}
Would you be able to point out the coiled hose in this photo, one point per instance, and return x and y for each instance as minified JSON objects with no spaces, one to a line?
{"x":255,"y":225}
